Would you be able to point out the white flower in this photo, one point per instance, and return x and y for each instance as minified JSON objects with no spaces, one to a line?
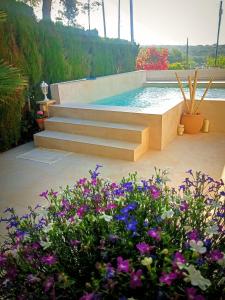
{"x":197,"y":279}
{"x":167,"y":214}
{"x":212,"y":229}
{"x":197,"y":246}
{"x":147,"y":261}
{"x":107,"y":218}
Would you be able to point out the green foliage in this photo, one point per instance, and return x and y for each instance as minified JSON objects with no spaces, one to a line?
{"x":53,"y":53}
{"x":176,"y":66}
{"x":220,"y":61}
{"x":175,"y":56}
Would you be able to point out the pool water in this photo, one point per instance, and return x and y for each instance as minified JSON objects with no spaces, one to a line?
{"x":153,"y":96}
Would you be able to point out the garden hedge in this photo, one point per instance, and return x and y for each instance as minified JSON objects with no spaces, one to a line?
{"x":53,"y":53}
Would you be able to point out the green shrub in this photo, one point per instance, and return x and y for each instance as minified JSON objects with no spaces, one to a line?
{"x":176,"y":66}
{"x":220,"y":61}
{"x":54,"y":53}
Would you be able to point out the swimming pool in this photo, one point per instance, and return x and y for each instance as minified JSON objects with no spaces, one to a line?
{"x":155,"y":96}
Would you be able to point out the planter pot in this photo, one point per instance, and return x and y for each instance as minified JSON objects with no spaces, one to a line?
{"x":192,"y":123}
{"x":41,"y":123}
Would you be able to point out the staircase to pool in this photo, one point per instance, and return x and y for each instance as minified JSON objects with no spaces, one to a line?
{"x":95,"y":131}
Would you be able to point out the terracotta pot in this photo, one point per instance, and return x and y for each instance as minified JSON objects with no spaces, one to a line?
{"x":41,"y":123}
{"x":192,"y":123}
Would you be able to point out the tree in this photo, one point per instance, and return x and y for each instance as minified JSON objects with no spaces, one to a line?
{"x":118,"y":19}
{"x":103,"y":15}
{"x":131,"y":22}
{"x":46,"y":7}
{"x":87,"y":6}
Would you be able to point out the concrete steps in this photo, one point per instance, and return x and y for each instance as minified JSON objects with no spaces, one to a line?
{"x":95,"y":130}
{"x":89,"y":145}
{"x":125,"y":132}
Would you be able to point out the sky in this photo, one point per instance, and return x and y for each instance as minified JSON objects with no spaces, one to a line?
{"x":160,"y":22}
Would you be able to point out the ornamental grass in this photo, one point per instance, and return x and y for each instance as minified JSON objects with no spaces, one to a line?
{"x":128,"y":240}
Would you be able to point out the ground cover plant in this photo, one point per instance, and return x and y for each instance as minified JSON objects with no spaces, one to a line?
{"x":128,"y":240}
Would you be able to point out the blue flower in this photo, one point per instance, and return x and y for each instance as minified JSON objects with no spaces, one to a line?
{"x":128,"y":186}
{"x":95,"y":173}
{"x":131,"y":225}
{"x":121,"y":217}
{"x":130,"y":206}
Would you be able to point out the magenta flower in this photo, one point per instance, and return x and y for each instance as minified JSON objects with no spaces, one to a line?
{"x":155,"y":192}
{"x":87,"y":296}
{"x":143,"y":248}
{"x":111,"y":206}
{"x":167,"y":278}
{"x":192,"y":294}
{"x":48,"y":284}
{"x":184,"y":206}
{"x":82,"y":181}
{"x":49,"y":260}
{"x":122,"y":265}
{"x":81,"y":210}
{"x":179,"y":258}
{"x":193,"y":235}
{"x":74,"y":243}
{"x":44,"y":194}
{"x":135,"y":279}
{"x":216,"y":255}
{"x":155,"y":234}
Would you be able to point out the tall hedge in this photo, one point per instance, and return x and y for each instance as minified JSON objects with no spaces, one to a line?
{"x":54,"y":53}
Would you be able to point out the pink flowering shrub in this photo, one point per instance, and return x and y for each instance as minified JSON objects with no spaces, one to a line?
{"x":107,"y":240}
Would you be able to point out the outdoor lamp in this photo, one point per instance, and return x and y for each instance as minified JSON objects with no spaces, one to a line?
{"x":44,"y":88}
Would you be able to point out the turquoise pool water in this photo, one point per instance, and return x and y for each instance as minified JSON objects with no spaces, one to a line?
{"x":153,"y":96}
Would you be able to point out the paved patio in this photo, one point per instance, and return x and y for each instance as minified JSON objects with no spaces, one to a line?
{"x":22,"y":180}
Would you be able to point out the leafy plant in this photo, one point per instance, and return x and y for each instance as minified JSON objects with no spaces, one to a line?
{"x":106,"y":240}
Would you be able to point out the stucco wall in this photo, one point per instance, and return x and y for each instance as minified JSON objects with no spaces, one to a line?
{"x":169,"y":75}
{"x":84,"y":91}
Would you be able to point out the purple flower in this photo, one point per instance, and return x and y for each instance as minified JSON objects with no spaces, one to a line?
{"x":128,"y":186}
{"x":110,"y":271}
{"x":192,"y":294}
{"x":179,"y":258}
{"x":193,"y":235}
{"x":111,"y":206}
{"x":143,"y":248}
{"x":49,"y":260}
{"x":182,"y":187}
{"x":44,"y":194}
{"x":155,"y":234}
{"x":122,"y":265}
{"x":121,"y":217}
{"x":155,"y":192}
{"x":48,"y":284}
{"x":74,"y":243}
{"x":66,"y":204}
{"x":216,"y":255}
{"x":12,"y":272}
{"x":129,"y":207}
{"x":32,"y":279}
{"x":135,"y":279}
{"x":82,"y":181}
{"x":81,"y":210}
{"x":87,"y":296}
{"x":95,"y":173}
{"x":131,"y":225}
{"x":189,"y":172}
{"x":184,"y":206}
{"x":167,"y":278}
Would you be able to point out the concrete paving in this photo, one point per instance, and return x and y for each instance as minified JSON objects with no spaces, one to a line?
{"x":22,"y":180}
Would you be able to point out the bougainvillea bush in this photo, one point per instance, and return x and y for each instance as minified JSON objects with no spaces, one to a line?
{"x":152,"y":59}
{"x":127,"y":240}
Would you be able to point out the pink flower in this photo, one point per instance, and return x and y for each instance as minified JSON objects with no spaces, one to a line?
{"x":87,"y":296}
{"x":216,"y":255}
{"x":48,"y":284}
{"x":192,"y":294}
{"x":143,"y":248}
{"x":154,"y":233}
{"x":135,"y":279}
{"x":193,"y":235}
{"x":40,"y":112}
{"x":167,"y":278}
{"x":122,"y":265}
{"x":184,"y":206}
{"x":49,"y":260}
{"x":81,"y":210}
{"x":179,"y":258}
{"x":155,"y":192}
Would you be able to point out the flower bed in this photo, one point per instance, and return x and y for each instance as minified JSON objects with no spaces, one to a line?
{"x":127,"y":240}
